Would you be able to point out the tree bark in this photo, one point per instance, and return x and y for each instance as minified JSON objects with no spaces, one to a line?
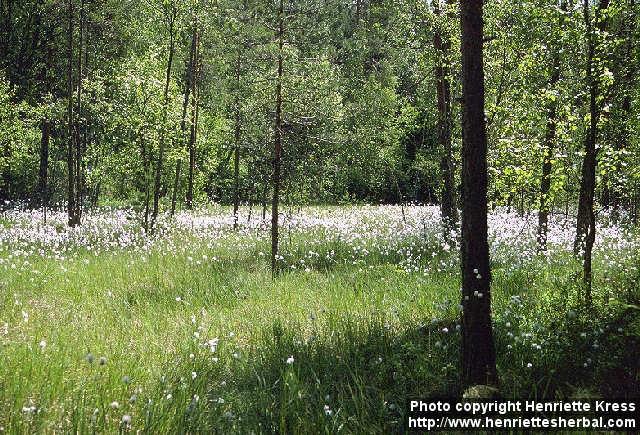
{"x":478,"y":349}
{"x":45,"y":129}
{"x":442,"y":44}
{"x":71,"y":205}
{"x":265,"y":187}
{"x":170,"y":15}
{"x":277,"y":142}
{"x":183,"y":122}
{"x":78,"y":120}
{"x":585,"y":223}
{"x":628,"y":83}
{"x":146,"y":168}
{"x":236,"y":159}
{"x":195,"y":107}
{"x":176,"y":184}
{"x":548,"y":147}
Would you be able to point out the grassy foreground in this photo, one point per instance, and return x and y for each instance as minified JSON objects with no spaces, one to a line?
{"x":192,"y":334}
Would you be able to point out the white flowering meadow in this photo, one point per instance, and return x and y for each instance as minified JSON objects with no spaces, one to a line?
{"x":105,"y":327}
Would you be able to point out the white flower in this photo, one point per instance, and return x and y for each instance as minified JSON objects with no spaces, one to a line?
{"x":103,"y":360}
{"x":327,"y":411}
{"x":193,"y":375}
{"x":114,"y":405}
{"x":529,"y":365}
{"x":43,"y":344}
{"x":126,"y":419}
{"x":290,"y":360}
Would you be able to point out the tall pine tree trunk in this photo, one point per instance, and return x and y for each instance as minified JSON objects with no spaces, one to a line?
{"x":46,"y":125}
{"x":193,"y":129}
{"x":146,"y":169}
{"x":195,"y":107}
{"x":183,"y":119}
{"x":170,"y":15}
{"x":79,"y":121}
{"x":585,"y":224}
{"x":236,"y":159}
{"x":442,"y":45}
{"x":478,"y":349}
{"x":548,"y":147}
{"x":71,"y":167}
{"x":45,"y":129}
{"x":628,"y":83}
{"x":277,"y":151}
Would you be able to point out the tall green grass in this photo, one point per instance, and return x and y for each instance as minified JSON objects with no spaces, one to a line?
{"x":330,"y":346}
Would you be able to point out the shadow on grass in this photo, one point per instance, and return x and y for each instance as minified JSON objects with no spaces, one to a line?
{"x":357,"y":376}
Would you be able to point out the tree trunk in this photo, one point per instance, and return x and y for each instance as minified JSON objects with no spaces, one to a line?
{"x":45,"y":128}
{"x":183,"y":121}
{"x":146,"y":168}
{"x":585,"y":224}
{"x":236,"y":159}
{"x":170,"y":15}
{"x":277,"y":143}
{"x":79,"y":121}
{"x":71,"y":204}
{"x":250,"y":207}
{"x":478,"y":350}
{"x":265,"y":186}
{"x":195,"y":108}
{"x":628,"y":83}
{"x":442,"y":44}
{"x":194,"y":120}
{"x":549,"y":143}
{"x":176,"y":183}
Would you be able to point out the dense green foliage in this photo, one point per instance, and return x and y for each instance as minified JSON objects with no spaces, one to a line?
{"x":359,"y":98}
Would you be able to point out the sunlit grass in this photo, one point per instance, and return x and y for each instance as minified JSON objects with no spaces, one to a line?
{"x":192,"y":333}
